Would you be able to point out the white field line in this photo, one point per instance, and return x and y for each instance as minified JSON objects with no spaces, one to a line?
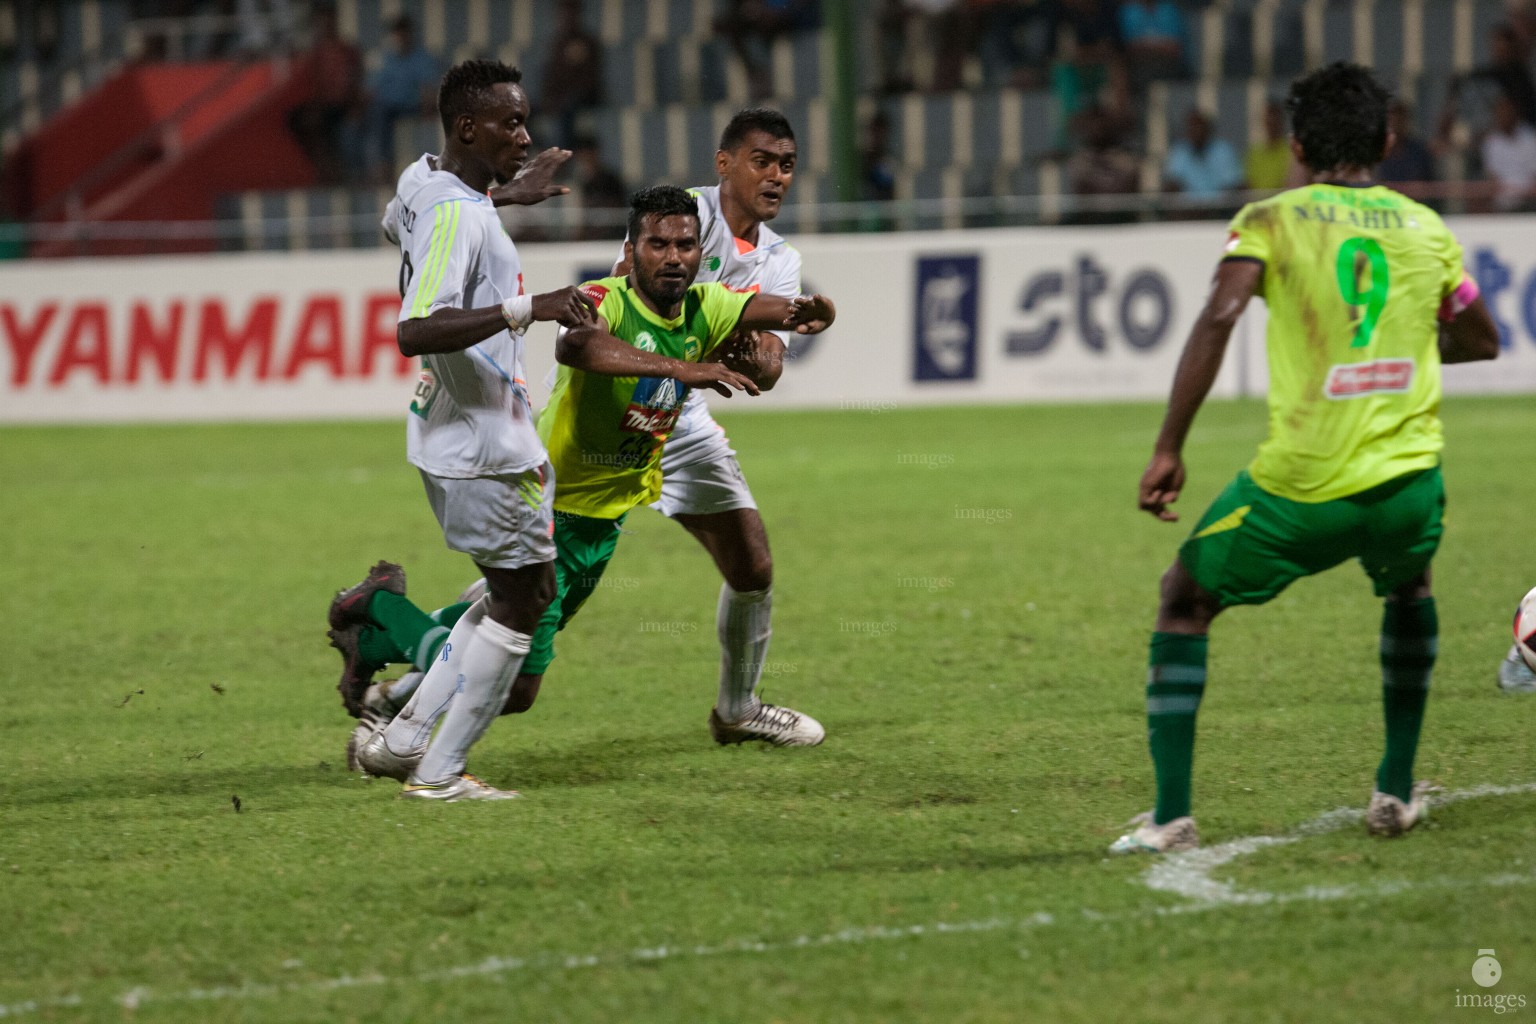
{"x":1186,"y":874}
{"x":1189,"y":874}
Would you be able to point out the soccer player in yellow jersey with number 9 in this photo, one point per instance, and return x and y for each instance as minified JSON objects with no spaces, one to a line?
{"x":1367,"y":297}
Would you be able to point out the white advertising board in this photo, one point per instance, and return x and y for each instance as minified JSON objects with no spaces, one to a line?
{"x":1008,"y":315}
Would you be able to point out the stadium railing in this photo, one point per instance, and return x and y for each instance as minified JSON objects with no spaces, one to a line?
{"x":554,"y":222}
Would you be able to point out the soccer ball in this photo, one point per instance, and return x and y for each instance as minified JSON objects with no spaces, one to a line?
{"x":1525,"y":629}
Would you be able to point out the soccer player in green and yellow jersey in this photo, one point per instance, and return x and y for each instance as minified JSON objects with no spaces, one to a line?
{"x":1367,"y":297}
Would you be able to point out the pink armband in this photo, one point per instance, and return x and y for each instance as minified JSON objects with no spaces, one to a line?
{"x":1462,"y":296}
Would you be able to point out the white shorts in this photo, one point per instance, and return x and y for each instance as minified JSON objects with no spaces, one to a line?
{"x":700,"y":474}
{"x":503,"y":522}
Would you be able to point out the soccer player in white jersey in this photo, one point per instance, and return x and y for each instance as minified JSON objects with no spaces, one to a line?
{"x":471,"y":430}
{"x":703,"y":487}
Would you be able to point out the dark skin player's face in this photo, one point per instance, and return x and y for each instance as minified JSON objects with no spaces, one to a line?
{"x":757,"y":174}
{"x":499,"y":132}
{"x":665,"y":259}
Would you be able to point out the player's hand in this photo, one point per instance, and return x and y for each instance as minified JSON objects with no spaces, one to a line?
{"x":532,"y":185}
{"x":810,"y":314}
{"x":568,"y":306}
{"x":1161,"y":484}
{"x":717,"y":377}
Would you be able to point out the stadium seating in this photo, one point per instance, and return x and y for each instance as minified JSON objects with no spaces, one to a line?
{"x":671,"y":83}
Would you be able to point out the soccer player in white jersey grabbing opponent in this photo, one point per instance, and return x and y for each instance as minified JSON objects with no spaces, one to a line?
{"x":470,"y":432}
{"x":703,"y":487}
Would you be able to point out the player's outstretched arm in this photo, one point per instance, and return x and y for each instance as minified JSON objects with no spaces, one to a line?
{"x":1236,"y":281}
{"x":592,"y":348}
{"x":531,"y":185}
{"x":805,"y":314}
{"x":1470,"y":335}
{"x":453,"y":330}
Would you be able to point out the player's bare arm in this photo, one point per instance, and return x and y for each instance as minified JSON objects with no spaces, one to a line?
{"x":532,"y":184}
{"x":1235,"y":283}
{"x":754,"y":351}
{"x":757,"y":354}
{"x":1469,"y":336}
{"x":805,"y":314}
{"x":453,"y":330}
{"x":592,"y":348}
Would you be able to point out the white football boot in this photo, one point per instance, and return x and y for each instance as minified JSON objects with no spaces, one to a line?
{"x":378,"y":711}
{"x":375,"y":758}
{"x":460,"y":787}
{"x":783,"y":727}
{"x":1515,"y":676}
{"x":1169,"y":837}
{"x":1388,"y":816}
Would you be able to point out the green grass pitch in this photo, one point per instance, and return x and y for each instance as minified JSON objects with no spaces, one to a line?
{"x":963,"y":597}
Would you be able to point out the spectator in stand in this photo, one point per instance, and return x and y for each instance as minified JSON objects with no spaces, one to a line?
{"x":405,"y":85}
{"x":1155,"y":38}
{"x":1016,"y":40}
{"x":1202,"y":166}
{"x":1103,"y":163}
{"x":1509,"y":158}
{"x":1507,"y":69}
{"x":573,"y":75}
{"x":751,"y":26}
{"x":877,"y":170}
{"x":1091,"y":62}
{"x":1409,"y":164}
{"x":336,"y":69}
{"x":1268,"y":164}
{"x":599,"y":187}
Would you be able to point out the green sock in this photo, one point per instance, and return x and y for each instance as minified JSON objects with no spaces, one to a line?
{"x":1175,"y":683}
{"x":377,"y":648}
{"x":413,"y":635}
{"x":1410,"y":638}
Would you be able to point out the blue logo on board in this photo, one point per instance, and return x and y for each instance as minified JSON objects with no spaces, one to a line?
{"x":947,"y":300}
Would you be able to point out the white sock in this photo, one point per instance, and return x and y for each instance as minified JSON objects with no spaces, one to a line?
{"x":491,"y":661}
{"x":412,"y":727}
{"x":744,"y":623}
{"x":402,"y":689}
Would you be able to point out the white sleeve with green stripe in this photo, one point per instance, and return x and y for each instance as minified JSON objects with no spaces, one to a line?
{"x":438,"y":253}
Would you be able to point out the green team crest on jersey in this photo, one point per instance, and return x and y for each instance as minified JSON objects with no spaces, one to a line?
{"x":711,"y":263}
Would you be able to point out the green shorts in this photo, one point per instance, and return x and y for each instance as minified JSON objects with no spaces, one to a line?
{"x":1251,"y":544}
{"x":583,"y":547}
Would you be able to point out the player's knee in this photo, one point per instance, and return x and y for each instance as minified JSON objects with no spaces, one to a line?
{"x":525,"y":690}
{"x":1183,"y":600}
{"x":756,"y":573}
{"x":1416,"y":589}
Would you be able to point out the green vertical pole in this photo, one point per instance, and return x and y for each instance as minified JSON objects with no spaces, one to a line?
{"x":842,"y":103}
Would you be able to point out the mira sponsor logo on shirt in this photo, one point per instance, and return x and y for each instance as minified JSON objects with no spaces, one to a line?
{"x":1352,"y":380}
{"x":654,"y":406}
